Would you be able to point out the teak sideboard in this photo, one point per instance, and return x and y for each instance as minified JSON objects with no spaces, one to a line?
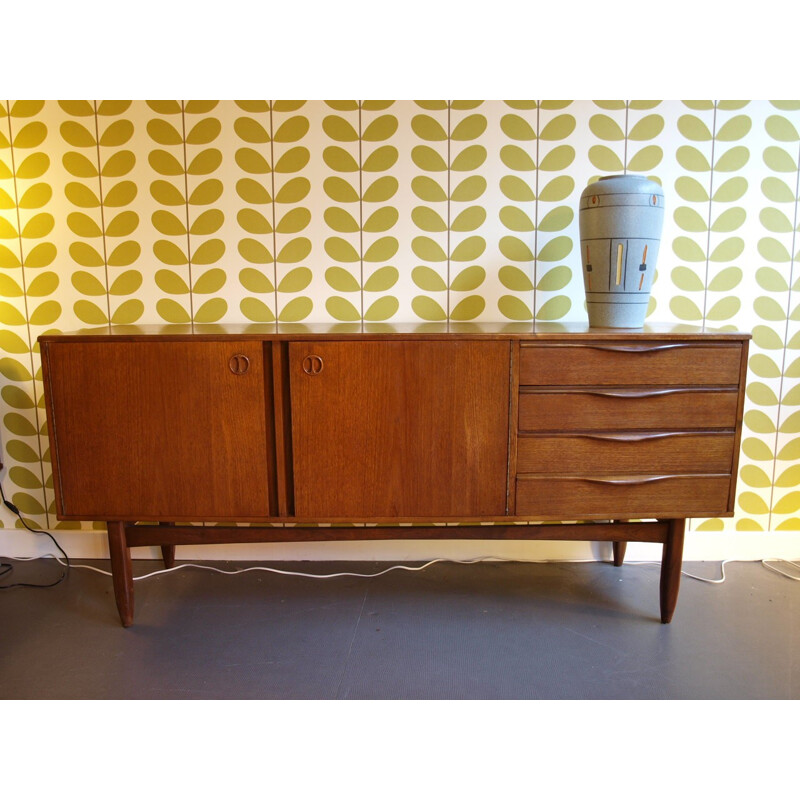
{"x":615,"y":435}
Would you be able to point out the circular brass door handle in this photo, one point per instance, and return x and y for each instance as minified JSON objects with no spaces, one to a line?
{"x":312,"y":365}
{"x":239,"y":364}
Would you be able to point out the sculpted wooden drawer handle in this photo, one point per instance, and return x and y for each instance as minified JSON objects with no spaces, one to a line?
{"x":632,"y":437}
{"x":644,"y":348}
{"x":312,"y":365}
{"x":629,"y":481}
{"x":627,"y":394}
{"x":239,"y":364}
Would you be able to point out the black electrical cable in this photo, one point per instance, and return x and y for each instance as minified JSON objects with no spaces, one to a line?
{"x":11,"y":507}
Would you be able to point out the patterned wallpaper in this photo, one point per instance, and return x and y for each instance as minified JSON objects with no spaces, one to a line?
{"x":233,"y":211}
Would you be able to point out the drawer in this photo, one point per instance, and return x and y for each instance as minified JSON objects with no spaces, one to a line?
{"x":623,"y":497}
{"x":628,"y":409}
{"x":663,"y":452}
{"x":629,"y":364}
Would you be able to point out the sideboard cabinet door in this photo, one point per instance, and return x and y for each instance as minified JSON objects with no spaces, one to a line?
{"x":400,"y":429}
{"x":160,"y":429}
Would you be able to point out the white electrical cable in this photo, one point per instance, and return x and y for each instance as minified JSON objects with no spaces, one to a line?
{"x":768,"y":561}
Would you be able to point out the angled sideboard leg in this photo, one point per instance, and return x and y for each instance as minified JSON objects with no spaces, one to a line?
{"x":619,"y":553}
{"x":121,"y":571}
{"x":671,"y":562}
{"x":168,"y":550}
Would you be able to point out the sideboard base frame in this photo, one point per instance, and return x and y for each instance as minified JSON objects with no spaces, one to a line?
{"x":124,"y":535}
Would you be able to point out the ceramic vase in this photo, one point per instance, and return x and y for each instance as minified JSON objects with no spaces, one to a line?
{"x":620,"y":220}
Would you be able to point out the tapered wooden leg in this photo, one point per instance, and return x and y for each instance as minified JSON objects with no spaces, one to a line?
{"x":168,"y":550}
{"x":619,"y":553}
{"x":671,"y":562}
{"x":121,"y":571}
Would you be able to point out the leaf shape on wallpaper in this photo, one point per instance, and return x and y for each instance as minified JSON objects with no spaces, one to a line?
{"x":13,"y":370}
{"x":380,"y":129}
{"x":15,"y":397}
{"x":793,"y":370}
{"x":559,"y":127}
{"x":292,"y":130}
{"x":559,"y":158}
{"x":73,"y":133}
{"x":726,"y":280}
{"x":603,"y":158}
{"x":724,"y":309}
{"x":383,"y":308}
{"x":516,"y":189}
{"x":730,"y":190}
{"x":122,"y":224}
{"x":428,"y":249}
{"x":210,"y":281}
{"x":428,"y":280}
{"x":778,"y":160}
{"x":119,"y":164}
{"x":341,"y":250}
{"x":28,"y":108}
{"x":733,"y":160}
{"x":112,"y":108}
{"x":209,"y":222}
{"x":336,"y":159}
{"x":7,"y":230}
{"x":9,"y":287}
{"x":86,"y":255}
{"x":469,"y":189}
{"x":205,"y":162}
{"x":516,"y":127}
{"x":685,"y":309}
{"x":342,"y":105}
{"x":788,"y":504}
{"x":11,"y":343}
{"x":294,"y":221}
{"x":293,"y":191}
{"x":256,"y":281}
{"x":8,"y":259}
{"x":342,"y":309}
{"x":36,"y":164}
{"x":128,"y":312}
{"x":761,"y":394}
{"x":757,"y":450}
{"x":21,"y":451}
{"x":555,"y":279}
{"x":513,"y":308}
{"x":692,"y":159}
{"x":469,"y":219}
{"x":294,"y":250}
{"x":790,"y":451}
{"x":382,"y":280}
{"x":296,"y":310}
{"x":124,"y":254}
{"x":557,"y":189}
{"x":36,"y":196}
{"x":469,"y":279}
{"x":468,"y":308}
{"x":687,"y":249}
{"x":469,"y":128}
{"x":169,"y":253}
{"x":251,"y":161}
{"x":691,"y":190}
{"x":120,"y":194}
{"x":689,"y":220}
{"x":381,"y":190}
{"x":428,"y":128}
{"x":340,"y":220}
{"x":295,"y":280}
{"x":792,"y":397}
{"x":205,"y":193}
{"x":752,"y":503}
{"x":773,"y":250}
{"x":647,"y":128}
{"x":728,"y":249}
{"x":557,"y":219}
{"x":38,"y":226}
{"x":515,"y":249}
{"x":19,"y":425}
{"x":766,"y":338}
{"x":470,"y":158}
{"x":759,"y":422}
{"x":339,"y":190}
{"x":773,"y":219}
{"x":530,"y":105}
{"x":381,"y":249}
{"x":126,"y":283}
{"x":516,"y":158}
{"x":383,"y":219}
{"x":605,"y":128}
{"x":168,"y":224}
{"x":646,"y":159}
{"x":341,"y":280}
{"x":81,"y":195}
{"x":166,"y":194}
{"x":555,"y":308}
{"x":212,"y":310}
{"x":610,"y":105}
{"x":465,"y":105}
{"x":734,"y":129}
{"x":200,"y":106}
{"x":88,"y":284}
{"x":731,"y":105}
{"x":693,"y":128}
{"x":556,"y":249}
{"x":381,"y":159}
{"x":204,"y":132}
{"x":469,"y":249}
{"x":791,"y":424}
{"x":34,"y":133}
{"x":162,"y":132}
{"x":170,"y":282}
{"x":777,"y":191}
{"x":83,"y":225}
{"x":250,"y":130}
{"x":296,"y":158}
{"x":339,"y":129}
{"x":254,"y":251}
{"x":117,"y":133}
{"x":781,"y":129}
{"x":729,"y":220}
{"x":171,"y":311}
{"x":515,"y":219}
{"x":90,"y":313}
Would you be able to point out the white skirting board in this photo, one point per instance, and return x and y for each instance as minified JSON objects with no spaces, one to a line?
{"x":699,"y":546}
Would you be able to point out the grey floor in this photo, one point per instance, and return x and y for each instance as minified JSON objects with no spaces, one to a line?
{"x":452,"y":631}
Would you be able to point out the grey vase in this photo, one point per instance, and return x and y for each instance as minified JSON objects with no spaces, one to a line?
{"x":620,"y":220}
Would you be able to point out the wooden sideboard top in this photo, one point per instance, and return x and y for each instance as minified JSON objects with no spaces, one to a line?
{"x":376,"y":330}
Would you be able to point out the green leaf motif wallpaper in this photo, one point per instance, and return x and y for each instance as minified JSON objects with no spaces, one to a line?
{"x":173,"y":211}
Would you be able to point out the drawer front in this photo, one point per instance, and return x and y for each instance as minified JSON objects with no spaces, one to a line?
{"x":623,"y":496}
{"x":626,"y":453}
{"x":612,"y":409}
{"x":623,"y":365}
